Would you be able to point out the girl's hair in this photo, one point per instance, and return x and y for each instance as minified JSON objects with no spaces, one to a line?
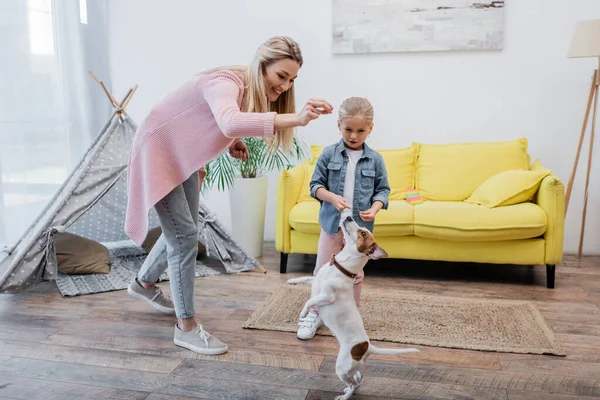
{"x":255,"y":94}
{"x":356,"y":107}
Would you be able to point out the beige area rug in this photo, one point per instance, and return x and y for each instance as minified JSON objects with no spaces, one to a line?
{"x":405,"y":317}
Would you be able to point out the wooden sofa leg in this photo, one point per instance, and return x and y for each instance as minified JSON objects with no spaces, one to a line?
{"x":283,"y":263}
{"x":550,"y":272}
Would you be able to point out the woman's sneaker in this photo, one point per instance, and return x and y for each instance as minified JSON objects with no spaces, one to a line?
{"x":309,"y":325}
{"x":199,"y":340}
{"x":155,"y":297}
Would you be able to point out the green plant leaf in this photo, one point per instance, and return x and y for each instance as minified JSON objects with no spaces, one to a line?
{"x":224,"y":169}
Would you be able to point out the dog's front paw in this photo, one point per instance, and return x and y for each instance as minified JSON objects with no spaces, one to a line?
{"x":303,"y":313}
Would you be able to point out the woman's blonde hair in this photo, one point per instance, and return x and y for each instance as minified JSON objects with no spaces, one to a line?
{"x":255,"y":93}
{"x":356,"y":107}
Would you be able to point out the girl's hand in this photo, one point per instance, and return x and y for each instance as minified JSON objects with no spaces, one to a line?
{"x":312,"y":110}
{"x":240,"y":151}
{"x":369,"y":215}
{"x":339,"y":203}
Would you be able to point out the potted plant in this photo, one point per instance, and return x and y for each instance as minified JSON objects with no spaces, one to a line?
{"x":247,"y":182}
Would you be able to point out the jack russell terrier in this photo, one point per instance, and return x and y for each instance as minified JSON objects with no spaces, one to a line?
{"x":332,"y":294}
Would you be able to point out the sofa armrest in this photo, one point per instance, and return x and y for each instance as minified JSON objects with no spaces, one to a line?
{"x":289,"y":187}
{"x":551,"y":198}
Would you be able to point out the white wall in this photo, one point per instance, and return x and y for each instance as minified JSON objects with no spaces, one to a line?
{"x":529,"y":89}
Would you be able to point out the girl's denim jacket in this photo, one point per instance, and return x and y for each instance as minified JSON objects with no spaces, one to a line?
{"x":371,"y":184}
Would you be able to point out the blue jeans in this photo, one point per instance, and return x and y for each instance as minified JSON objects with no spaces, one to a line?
{"x":178,"y":216}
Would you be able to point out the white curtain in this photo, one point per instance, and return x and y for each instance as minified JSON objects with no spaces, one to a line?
{"x":50,"y":107}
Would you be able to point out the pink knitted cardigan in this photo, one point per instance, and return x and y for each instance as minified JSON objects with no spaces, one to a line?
{"x":193,"y":125}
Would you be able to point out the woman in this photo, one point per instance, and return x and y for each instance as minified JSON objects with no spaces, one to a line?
{"x":194,"y":124}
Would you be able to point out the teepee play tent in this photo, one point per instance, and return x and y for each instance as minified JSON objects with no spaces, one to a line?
{"x":91,"y":204}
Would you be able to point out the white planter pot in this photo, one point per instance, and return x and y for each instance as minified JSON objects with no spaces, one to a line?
{"x":248,"y":202}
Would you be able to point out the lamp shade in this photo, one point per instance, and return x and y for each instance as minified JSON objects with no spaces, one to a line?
{"x":586,"y":41}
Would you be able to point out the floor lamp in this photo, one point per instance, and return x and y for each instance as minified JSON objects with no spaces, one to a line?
{"x":586,"y":43}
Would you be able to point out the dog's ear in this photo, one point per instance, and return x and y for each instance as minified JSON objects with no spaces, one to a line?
{"x":377,"y":252}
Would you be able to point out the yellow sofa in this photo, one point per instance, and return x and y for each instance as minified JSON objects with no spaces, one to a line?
{"x":482,"y":202}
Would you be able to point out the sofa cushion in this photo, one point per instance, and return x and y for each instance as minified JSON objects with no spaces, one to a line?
{"x":400,"y":167}
{"x":304,"y":217}
{"x":315,"y":152}
{"x":451,"y":172}
{"x":397,"y":220}
{"x":507,"y":188}
{"x":309,"y":169}
{"x":399,"y":164}
{"x":460,"y":221}
{"x":537,"y":166}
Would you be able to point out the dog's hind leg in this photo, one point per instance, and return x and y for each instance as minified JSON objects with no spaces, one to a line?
{"x":350,"y":386}
{"x":344,"y":369}
{"x":358,"y":378}
{"x":348,"y":392}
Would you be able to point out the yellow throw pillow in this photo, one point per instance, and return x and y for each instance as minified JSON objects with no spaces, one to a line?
{"x":537,"y":166}
{"x":508,"y":187}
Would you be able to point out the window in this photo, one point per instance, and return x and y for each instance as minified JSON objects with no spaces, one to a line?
{"x":39,"y":23}
{"x":42,"y":133}
{"x":83,"y":11}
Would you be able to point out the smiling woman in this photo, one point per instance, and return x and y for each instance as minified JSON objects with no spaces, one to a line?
{"x":279,"y":77}
{"x":269,"y":87}
{"x":198,"y":121}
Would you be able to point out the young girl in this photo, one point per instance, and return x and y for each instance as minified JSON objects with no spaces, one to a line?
{"x":349,"y":179}
{"x":194,"y":124}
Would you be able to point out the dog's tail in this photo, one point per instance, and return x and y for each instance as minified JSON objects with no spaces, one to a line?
{"x":306,"y":279}
{"x":378,"y":350}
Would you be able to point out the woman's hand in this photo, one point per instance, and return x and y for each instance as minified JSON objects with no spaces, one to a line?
{"x":312,"y":110}
{"x":239,"y":150}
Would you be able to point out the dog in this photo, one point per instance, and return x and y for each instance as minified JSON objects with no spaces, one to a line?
{"x":332,"y":294}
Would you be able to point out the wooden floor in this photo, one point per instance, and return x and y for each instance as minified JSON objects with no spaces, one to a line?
{"x":109,"y":346}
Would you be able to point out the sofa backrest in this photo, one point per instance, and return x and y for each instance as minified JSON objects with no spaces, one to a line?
{"x":399,"y":163}
{"x":442,"y":172}
{"x":451,"y":172}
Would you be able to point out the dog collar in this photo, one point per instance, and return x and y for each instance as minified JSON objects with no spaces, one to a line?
{"x":342,"y":269}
